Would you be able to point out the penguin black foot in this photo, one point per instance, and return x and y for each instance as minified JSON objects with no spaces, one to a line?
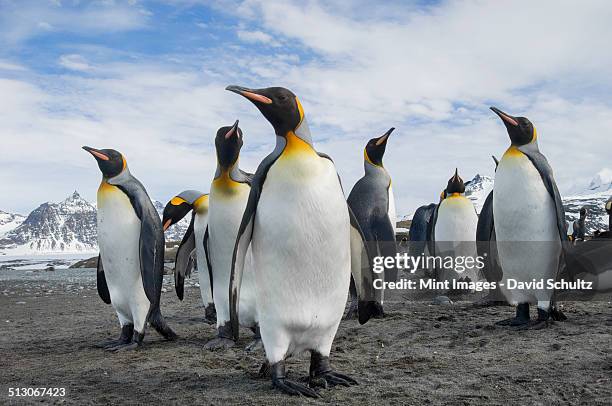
{"x":219,"y":343}
{"x":134,"y":343}
{"x":521,"y":318}
{"x":127,"y":331}
{"x":210,"y":314}
{"x":321,"y":373}
{"x":291,"y":388}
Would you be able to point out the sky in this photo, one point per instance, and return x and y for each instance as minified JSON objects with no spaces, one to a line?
{"x":147,"y":78}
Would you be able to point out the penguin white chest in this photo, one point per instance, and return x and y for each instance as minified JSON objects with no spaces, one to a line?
{"x":456,"y":220}
{"x":301,"y":249}
{"x":119,"y":243}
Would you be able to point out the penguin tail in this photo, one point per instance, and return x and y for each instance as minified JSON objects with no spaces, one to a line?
{"x":158,"y":322}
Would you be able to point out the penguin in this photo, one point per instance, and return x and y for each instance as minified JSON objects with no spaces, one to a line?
{"x":195,"y":202}
{"x":454,"y":228}
{"x":485,"y":243}
{"x":131,"y":260}
{"x":373,"y":205}
{"x":591,"y":260}
{"x":528,"y":222}
{"x":578,"y":226}
{"x":302,"y":234}
{"x":229,"y":193}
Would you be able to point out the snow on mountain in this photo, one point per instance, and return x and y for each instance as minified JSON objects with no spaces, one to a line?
{"x":68,"y":226}
{"x":9,"y":221}
{"x":65,"y":227}
{"x":477,"y":189}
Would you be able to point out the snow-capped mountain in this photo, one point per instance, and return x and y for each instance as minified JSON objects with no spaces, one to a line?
{"x":68,"y":226}
{"x":9,"y":221}
{"x":477,"y":189}
{"x":65,"y":227}
{"x":593,"y":196}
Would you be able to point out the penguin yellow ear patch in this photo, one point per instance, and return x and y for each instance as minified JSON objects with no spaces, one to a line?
{"x":176,"y":201}
{"x":300,"y":109}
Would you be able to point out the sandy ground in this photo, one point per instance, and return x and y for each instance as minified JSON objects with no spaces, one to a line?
{"x":420,"y":353}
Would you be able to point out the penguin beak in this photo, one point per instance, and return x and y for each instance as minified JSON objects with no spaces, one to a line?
{"x":251,"y":94}
{"x":233,"y":130}
{"x":167,"y":224}
{"x":506,"y":118}
{"x":96,"y":153}
{"x":383,"y":138}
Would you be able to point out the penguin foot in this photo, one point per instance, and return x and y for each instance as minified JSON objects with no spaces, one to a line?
{"x":254,"y":345}
{"x":219,"y":343}
{"x":280,"y":382}
{"x":331,"y":378}
{"x":126,"y":337}
{"x":123,"y":347}
{"x":521,"y":318}
{"x":265,"y":371}
{"x":321,"y":373}
{"x":293,"y":388}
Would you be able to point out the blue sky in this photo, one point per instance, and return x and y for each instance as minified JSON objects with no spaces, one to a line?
{"x":147,"y":78}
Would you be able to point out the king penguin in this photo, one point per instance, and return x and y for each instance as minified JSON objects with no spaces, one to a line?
{"x":454,"y":228}
{"x":528,"y":222}
{"x":195,"y":202}
{"x":373,"y":204}
{"x":229,"y":193}
{"x":300,"y":228}
{"x":131,"y":242}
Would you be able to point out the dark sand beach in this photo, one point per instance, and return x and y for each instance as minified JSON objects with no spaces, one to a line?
{"x":419,"y":354}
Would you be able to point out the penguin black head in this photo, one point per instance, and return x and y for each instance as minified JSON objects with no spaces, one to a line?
{"x":175,"y":210}
{"x":228,"y":142}
{"x":455,"y":185}
{"x":278,"y":105}
{"x":375,"y":148}
{"x":111,"y":162}
{"x":583,"y":212}
{"x":520,"y":129}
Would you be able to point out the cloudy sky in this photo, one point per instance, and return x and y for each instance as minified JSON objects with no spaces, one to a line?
{"x":147,"y":78}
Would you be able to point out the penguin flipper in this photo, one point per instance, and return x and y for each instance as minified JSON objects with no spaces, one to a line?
{"x":369,"y":299}
{"x":486,"y":242}
{"x":385,"y":238}
{"x":101,"y":283}
{"x":183,"y":262}
{"x":431,"y":231}
{"x":208,"y":263}
{"x":546,"y":173}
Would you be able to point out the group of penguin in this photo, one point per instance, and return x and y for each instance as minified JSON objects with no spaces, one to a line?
{"x":278,"y":251}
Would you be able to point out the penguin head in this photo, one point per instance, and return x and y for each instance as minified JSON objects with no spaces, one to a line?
{"x":455,"y":184}
{"x":175,"y":210}
{"x":111,"y":162}
{"x":228,"y":142}
{"x":583,"y":212}
{"x":520,"y":129}
{"x":375,"y":148}
{"x":278,"y":105}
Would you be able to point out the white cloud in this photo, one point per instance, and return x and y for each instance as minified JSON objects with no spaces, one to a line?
{"x":74,"y":62}
{"x":256,"y":36}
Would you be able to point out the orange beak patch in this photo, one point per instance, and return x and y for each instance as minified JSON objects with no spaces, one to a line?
{"x":256,"y":97}
{"x":167,"y":224}
{"x":99,"y":155}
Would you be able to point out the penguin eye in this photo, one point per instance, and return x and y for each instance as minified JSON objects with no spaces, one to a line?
{"x":282,"y":97}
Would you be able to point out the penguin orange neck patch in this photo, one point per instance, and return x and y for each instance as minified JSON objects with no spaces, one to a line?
{"x":296,"y":146}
